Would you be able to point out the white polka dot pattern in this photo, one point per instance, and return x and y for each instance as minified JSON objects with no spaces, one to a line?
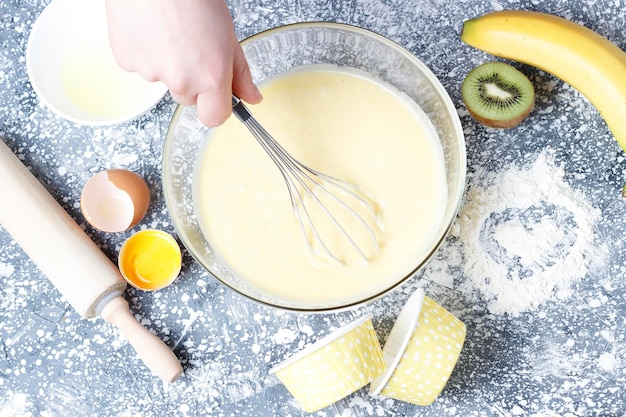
{"x":333,"y":368}
{"x":429,"y":357}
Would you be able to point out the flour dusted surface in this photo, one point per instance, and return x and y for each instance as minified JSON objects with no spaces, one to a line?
{"x":527,"y":236}
{"x":563,"y":358}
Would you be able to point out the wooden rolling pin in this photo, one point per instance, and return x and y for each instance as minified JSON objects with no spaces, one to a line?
{"x":85,"y":276}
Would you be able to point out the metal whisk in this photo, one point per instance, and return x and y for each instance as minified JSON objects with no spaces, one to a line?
{"x":314,"y":193}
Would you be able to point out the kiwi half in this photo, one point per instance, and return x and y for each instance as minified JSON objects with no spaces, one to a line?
{"x":498,"y":95}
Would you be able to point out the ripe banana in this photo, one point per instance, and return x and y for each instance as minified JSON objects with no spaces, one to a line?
{"x":592,"y":64}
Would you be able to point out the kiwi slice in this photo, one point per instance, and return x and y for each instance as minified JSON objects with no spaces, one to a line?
{"x":498,"y":95}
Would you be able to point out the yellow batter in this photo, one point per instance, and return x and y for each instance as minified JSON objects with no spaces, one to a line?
{"x":342,"y":123}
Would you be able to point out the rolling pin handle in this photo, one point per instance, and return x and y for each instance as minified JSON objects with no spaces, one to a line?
{"x":153,"y":352}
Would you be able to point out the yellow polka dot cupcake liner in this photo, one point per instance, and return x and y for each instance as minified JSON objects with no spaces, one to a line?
{"x":420,"y":353}
{"x":334,"y":367}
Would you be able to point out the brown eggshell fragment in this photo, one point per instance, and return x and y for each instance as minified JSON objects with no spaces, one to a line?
{"x":115,"y":200}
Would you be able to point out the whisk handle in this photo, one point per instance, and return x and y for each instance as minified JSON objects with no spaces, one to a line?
{"x":240,"y":110}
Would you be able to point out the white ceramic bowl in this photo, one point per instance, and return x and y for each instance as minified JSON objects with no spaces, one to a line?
{"x":71,"y":67}
{"x":279,"y":50}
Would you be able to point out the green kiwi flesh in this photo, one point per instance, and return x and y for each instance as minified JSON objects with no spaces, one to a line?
{"x":498,"y":95}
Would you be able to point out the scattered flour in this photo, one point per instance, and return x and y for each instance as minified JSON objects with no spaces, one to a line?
{"x":606,"y":361}
{"x":6,"y":270}
{"x":526,"y":236}
{"x":15,"y":404}
{"x":284,"y":336}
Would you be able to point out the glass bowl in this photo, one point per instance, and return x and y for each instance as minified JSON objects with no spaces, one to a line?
{"x":281,"y":49}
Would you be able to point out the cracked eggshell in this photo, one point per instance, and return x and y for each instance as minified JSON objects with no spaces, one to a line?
{"x":115,"y":200}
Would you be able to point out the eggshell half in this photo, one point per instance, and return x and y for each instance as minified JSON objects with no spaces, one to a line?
{"x":115,"y":200}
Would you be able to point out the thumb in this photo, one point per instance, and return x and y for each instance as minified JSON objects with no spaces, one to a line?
{"x":243,"y":86}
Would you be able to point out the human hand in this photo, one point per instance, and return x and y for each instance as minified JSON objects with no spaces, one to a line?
{"x":188,"y":45}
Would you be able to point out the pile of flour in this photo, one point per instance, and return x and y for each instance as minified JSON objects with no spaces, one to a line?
{"x":525,"y":237}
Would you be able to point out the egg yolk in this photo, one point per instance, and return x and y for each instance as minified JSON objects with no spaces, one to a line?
{"x":150,"y":260}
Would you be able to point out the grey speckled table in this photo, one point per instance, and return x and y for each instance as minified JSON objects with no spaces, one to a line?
{"x":535,"y":264}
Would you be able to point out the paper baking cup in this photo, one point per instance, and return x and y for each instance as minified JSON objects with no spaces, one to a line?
{"x":334,"y":367}
{"x":421,"y":352}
